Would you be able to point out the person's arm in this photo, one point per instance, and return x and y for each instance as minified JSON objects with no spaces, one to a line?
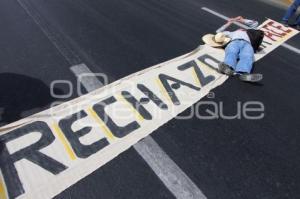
{"x":224,"y":27}
{"x":229,"y":22}
{"x":248,"y":22}
{"x":251,"y":23}
{"x":228,"y":34}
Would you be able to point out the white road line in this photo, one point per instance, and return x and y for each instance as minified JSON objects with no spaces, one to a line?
{"x":163,"y":166}
{"x":52,"y":35}
{"x":83,"y":73}
{"x":167,"y":170}
{"x":285,"y":45}
{"x":223,"y":17}
{"x":69,"y":49}
{"x":291,"y":48}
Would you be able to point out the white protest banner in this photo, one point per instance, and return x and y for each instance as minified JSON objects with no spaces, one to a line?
{"x":42,"y":155}
{"x":275,"y":35}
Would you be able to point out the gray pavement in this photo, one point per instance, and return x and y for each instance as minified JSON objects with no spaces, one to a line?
{"x":224,"y":158}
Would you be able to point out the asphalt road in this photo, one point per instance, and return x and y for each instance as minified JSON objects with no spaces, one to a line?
{"x":225,"y":158}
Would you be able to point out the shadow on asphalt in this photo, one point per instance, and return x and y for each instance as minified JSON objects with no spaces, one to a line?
{"x":21,"y":93}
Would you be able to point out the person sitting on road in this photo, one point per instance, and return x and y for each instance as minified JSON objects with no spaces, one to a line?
{"x":290,"y":13}
{"x":240,"y":48}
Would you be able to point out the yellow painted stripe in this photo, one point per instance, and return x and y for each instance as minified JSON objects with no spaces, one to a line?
{"x":138,"y":116}
{"x":163,"y":90}
{"x":2,"y":190}
{"x":64,"y":141}
{"x":196,"y":79}
{"x":102,"y":125}
{"x":204,"y":64}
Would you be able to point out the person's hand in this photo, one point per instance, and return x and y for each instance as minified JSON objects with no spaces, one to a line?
{"x":240,"y":19}
{"x":236,"y":19}
{"x":230,"y":21}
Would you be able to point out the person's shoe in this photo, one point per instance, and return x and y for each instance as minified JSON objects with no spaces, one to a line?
{"x":225,"y":69}
{"x":254,"y":77}
{"x":285,"y":23}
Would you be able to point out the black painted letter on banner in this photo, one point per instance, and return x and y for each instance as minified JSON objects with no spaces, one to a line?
{"x":81,"y":150}
{"x":202,"y":79}
{"x":151,"y":96}
{"x":118,"y":131}
{"x":206,"y":56}
{"x":170,"y":88}
{"x":136,"y":105}
{"x":31,"y":153}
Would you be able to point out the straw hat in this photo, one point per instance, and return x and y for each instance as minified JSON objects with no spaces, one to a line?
{"x":218,"y":40}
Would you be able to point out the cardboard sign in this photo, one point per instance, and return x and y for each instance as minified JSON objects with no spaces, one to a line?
{"x":44,"y":154}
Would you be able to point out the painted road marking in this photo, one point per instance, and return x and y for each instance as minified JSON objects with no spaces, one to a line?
{"x":55,"y":38}
{"x":69,"y":49}
{"x":163,"y":166}
{"x":285,"y":45}
{"x":167,"y":170}
{"x":291,"y":48}
{"x":85,"y":76}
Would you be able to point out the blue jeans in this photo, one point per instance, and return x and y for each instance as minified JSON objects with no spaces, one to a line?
{"x":239,"y":55}
{"x":291,"y":11}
